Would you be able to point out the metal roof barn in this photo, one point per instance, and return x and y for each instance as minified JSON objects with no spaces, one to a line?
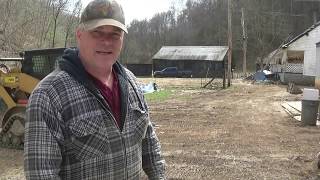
{"x":205,"y":53}
{"x":203,"y":61}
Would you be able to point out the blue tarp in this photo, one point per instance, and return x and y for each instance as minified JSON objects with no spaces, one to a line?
{"x":260,"y":76}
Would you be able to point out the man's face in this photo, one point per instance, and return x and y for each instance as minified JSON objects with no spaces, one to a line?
{"x":100,"y":47}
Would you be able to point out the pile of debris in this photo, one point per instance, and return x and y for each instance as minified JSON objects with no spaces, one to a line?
{"x":149,"y":88}
{"x":293,"y":88}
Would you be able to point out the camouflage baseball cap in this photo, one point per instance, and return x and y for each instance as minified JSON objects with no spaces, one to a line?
{"x":103,"y":12}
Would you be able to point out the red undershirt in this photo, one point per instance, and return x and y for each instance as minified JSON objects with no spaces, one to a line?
{"x":112,"y":96}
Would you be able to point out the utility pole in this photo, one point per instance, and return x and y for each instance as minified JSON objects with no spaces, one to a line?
{"x":244,"y":38}
{"x":224,"y":73}
{"x":229,"y":42}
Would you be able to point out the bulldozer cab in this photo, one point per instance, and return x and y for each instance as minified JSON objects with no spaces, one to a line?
{"x":39,"y":63}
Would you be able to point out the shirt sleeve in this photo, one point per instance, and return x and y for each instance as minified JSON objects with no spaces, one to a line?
{"x":42,"y":155}
{"x":153,"y":162}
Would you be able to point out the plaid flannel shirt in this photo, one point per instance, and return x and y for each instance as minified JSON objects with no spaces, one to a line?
{"x":70,"y":132}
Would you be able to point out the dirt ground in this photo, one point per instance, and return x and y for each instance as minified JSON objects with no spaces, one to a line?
{"x":238,"y":133}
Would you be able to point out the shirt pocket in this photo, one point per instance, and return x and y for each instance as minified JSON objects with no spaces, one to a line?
{"x":139,"y":123}
{"x":88,"y":139}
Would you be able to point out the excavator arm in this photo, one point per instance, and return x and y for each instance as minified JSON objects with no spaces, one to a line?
{"x":7,"y":98}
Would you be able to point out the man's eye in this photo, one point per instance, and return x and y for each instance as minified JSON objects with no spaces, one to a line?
{"x":116,"y":36}
{"x":95,"y":33}
{"x":102,"y":35}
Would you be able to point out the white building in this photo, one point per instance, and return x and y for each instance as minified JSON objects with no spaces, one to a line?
{"x":298,"y":60}
{"x":317,"y":82}
{"x":303,"y":48}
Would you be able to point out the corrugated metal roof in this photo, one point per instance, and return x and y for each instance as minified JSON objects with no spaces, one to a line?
{"x":273,"y":57}
{"x":208,"y":53}
{"x":302,"y":34}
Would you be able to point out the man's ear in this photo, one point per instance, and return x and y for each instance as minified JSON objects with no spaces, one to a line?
{"x":78,"y":33}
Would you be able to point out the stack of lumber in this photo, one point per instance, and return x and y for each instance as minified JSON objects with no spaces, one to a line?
{"x":293,"y":108}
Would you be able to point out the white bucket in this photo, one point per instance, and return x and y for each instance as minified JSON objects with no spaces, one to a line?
{"x":310,"y":94}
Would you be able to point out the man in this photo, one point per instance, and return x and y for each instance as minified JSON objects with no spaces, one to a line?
{"x":88,"y":119}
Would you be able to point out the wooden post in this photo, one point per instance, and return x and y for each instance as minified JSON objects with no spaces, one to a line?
{"x":229,"y":42}
{"x":317,"y":82}
{"x":224,"y":73}
{"x":244,"y":38}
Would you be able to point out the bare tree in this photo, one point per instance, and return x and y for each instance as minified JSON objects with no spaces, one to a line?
{"x":58,"y":6}
{"x":15,"y":24}
{"x":42,"y":25}
{"x":72,"y":20}
{"x":6,"y":8}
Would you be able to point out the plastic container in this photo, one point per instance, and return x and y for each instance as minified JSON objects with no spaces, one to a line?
{"x":310,"y":94}
{"x":309,"y":112}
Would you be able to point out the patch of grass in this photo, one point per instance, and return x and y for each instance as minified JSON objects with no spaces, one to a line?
{"x":158,"y":96}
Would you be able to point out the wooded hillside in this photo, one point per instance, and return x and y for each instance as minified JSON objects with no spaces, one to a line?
{"x":268,"y":23}
{"x":37,"y":24}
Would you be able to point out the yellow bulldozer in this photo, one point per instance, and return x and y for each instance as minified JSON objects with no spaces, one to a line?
{"x":18,"y":78}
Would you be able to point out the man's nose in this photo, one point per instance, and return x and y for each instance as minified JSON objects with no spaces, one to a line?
{"x":106,"y":40}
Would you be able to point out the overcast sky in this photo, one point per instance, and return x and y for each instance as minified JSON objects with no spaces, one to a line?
{"x":141,"y":9}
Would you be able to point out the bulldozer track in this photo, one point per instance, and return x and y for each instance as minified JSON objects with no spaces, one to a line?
{"x":5,"y":130}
